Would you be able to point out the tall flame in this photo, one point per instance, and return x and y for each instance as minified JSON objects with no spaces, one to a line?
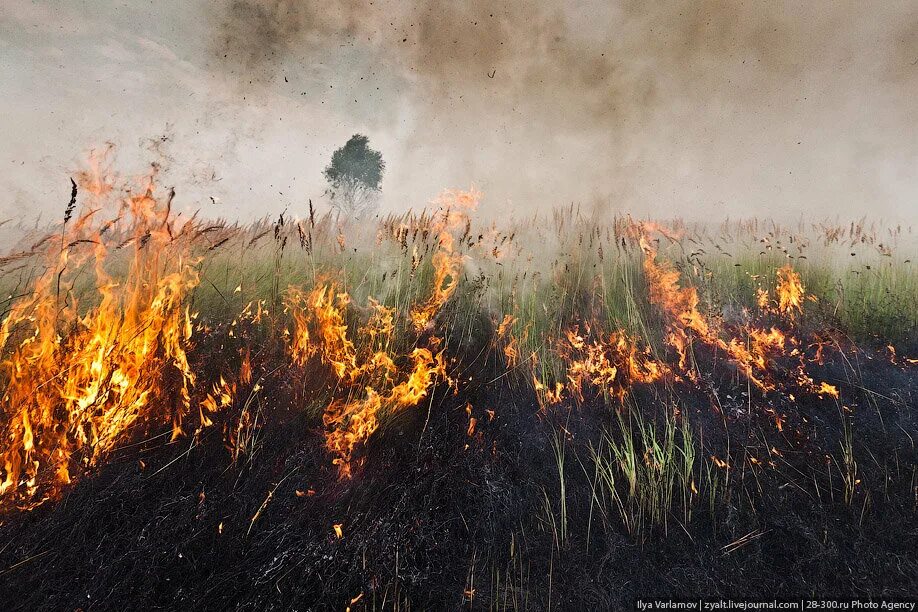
{"x":790,"y":292}
{"x":77,"y":379}
{"x":455,"y":207}
{"x":751,"y":351}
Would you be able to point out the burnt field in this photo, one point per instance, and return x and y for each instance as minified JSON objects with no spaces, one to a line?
{"x":442,"y":413}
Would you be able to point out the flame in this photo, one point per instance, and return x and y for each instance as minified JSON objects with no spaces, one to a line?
{"x":827,"y":389}
{"x":613,"y":365}
{"x":367,"y":373}
{"x":455,"y":207}
{"x":511,"y":345}
{"x":320,"y":327}
{"x":680,"y":303}
{"x":350,"y":423}
{"x":79,"y":378}
{"x":81,"y":374}
{"x":221,"y":396}
{"x":753,"y":349}
{"x":790,"y":292}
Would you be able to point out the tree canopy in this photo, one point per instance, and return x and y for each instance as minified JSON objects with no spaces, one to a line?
{"x":355,"y":177}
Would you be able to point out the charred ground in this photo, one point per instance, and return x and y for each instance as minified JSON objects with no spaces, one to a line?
{"x":444,"y":521}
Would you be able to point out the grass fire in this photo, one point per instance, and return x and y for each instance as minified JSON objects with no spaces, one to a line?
{"x":458,"y":305}
{"x":433,"y":409}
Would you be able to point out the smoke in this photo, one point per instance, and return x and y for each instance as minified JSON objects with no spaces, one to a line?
{"x":659,"y":106}
{"x":682,"y":107}
{"x":603,"y":60}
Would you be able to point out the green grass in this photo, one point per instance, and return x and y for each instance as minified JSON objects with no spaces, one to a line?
{"x":645,"y":473}
{"x":552,"y":274}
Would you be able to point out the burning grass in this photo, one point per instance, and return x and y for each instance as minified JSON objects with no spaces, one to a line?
{"x":78,"y":379}
{"x":516,"y":400}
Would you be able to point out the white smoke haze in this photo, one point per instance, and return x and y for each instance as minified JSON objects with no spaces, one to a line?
{"x":699,"y":109}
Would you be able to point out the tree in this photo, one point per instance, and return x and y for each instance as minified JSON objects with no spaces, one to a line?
{"x":354,"y":177}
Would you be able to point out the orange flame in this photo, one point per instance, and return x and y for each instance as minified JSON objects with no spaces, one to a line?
{"x":613,"y":366}
{"x":455,"y":207}
{"x":350,"y":423}
{"x":77,"y":380}
{"x":750,"y":354}
{"x":790,"y":292}
{"x":368,"y":369}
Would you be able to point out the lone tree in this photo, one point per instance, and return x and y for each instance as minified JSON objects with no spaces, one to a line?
{"x":354,"y":177}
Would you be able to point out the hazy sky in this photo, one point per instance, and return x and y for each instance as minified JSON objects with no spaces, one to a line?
{"x":693,"y":108}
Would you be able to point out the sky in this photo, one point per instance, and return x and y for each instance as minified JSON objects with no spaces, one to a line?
{"x":695,"y":108}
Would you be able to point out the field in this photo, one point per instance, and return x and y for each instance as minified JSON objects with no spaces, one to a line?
{"x":432,"y":411}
